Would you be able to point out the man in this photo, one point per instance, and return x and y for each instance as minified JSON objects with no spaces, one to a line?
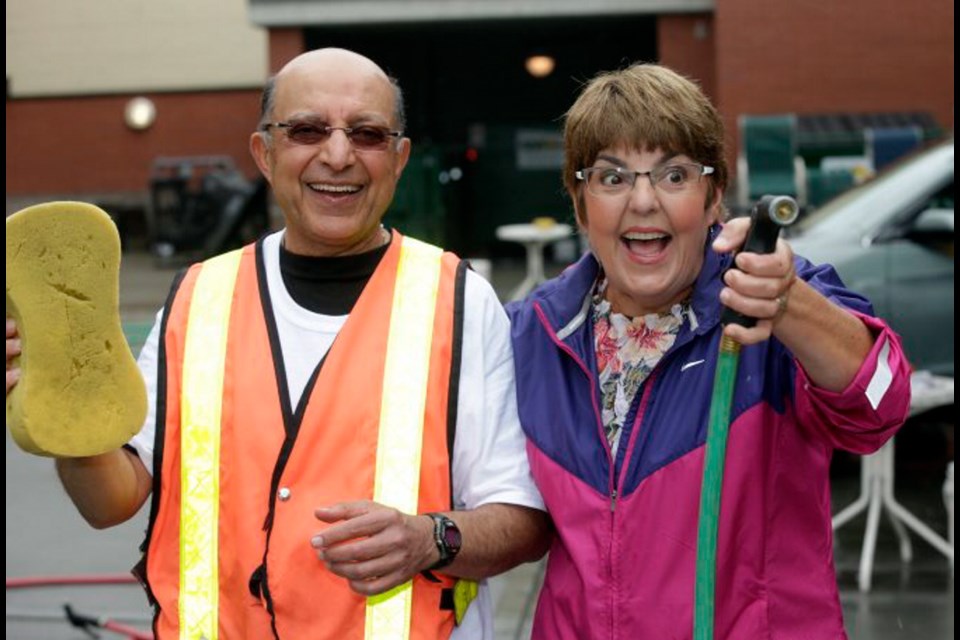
{"x":353,"y":378}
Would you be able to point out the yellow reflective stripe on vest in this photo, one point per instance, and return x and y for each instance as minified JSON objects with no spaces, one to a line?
{"x":201,"y":402}
{"x":464,"y":592}
{"x":400,"y":441}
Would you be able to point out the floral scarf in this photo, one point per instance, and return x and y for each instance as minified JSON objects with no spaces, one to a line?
{"x":627,"y":351}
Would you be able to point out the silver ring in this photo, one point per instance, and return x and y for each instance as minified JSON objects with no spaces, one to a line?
{"x":781,"y":306}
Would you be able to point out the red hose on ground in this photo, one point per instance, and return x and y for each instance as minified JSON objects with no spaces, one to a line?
{"x":65,"y":581}
{"x":130,"y":632}
{"x":80,"y":620}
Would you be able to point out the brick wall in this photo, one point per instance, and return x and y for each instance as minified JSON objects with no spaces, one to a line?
{"x":801,"y":56}
{"x":284,"y":46}
{"x":815,"y":56}
{"x":686,"y":44}
{"x":79,"y":145}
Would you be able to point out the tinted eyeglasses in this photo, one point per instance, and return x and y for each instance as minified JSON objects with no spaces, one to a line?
{"x":308,"y":132}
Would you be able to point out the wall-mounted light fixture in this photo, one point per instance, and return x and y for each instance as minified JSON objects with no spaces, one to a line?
{"x":540,"y":66}
{"x":140,"y":113}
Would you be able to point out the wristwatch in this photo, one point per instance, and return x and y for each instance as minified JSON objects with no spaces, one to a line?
{"x":446,"y":535}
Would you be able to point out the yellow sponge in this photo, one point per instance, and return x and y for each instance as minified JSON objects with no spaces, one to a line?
{"x":80,"y":392}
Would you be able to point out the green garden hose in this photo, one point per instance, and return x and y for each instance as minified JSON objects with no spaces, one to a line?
{"x":767,"y":217}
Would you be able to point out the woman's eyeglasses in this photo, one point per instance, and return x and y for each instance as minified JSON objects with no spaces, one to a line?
{"x":617,"y":181}
{"x":308,"y":132}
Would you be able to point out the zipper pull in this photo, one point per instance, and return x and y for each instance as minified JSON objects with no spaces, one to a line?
{"x":613,"y":501}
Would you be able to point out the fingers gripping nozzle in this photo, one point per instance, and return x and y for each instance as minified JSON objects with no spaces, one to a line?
{"x":768,"y":216}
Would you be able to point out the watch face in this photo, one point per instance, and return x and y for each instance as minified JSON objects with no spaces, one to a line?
{"x":451,"y":538}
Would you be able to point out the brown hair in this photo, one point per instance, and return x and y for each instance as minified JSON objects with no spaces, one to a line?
{"x":647,"y":107}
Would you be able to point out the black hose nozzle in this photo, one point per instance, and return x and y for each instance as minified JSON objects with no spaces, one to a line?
{"x":767,"y":217}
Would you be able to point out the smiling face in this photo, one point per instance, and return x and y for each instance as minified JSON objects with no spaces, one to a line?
{"x":332,"y":195}
{"x":649,"y":241}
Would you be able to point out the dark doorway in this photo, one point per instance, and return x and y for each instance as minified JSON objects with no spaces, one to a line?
{"x":486,"y":132}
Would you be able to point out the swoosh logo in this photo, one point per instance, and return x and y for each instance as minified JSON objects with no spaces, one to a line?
{"x":691,"y":364}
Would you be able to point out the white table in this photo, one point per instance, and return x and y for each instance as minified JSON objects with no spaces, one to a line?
{"x":534,"y":237}
{"x":876,"y":486}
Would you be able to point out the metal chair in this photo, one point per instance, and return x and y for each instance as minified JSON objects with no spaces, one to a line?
{"x":768,"y":160}
{"x":884,"y":145}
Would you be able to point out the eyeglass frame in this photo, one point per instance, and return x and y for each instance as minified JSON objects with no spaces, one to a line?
{"x":328,"y":131}
{"x":631,"y":175}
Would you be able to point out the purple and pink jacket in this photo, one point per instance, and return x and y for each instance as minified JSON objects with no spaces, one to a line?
{"x":622,"y":565}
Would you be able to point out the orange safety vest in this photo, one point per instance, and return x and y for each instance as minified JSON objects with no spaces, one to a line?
{"x":277,"y":464}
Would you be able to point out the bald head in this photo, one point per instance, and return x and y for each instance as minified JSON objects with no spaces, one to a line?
{"x":321,"y":63}
{"x":319,"y":60}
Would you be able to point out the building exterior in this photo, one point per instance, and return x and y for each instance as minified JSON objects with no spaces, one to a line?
{"x":485,"y":127}
{"x":72,"y":67}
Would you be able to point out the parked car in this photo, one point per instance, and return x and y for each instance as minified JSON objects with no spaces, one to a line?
{"x":891,"y":239}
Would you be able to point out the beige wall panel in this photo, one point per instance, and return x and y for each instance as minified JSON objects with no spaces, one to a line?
{"x":71,"y":47}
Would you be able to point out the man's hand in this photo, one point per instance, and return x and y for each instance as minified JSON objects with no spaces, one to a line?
{"x":13,"y":350}
{"x":374,"y":547}
{"x":758,"y":285}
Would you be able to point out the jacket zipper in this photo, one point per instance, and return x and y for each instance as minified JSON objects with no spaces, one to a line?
{"x":613,"y":480}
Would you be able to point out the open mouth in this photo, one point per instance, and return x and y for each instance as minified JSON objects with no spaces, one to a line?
{"x":335,"y":190}
{"x":646,"y":244}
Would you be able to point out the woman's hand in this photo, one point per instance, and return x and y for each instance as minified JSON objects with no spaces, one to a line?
{"x":829,"y":342}
{"x":758,"y":285}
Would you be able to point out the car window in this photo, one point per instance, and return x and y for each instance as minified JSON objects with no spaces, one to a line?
{"x":940,"y":205}
{"x":943,"y":199}
{"x":904,"y":190}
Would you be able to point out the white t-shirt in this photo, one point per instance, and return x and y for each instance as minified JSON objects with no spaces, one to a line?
{"x":489,"y":455}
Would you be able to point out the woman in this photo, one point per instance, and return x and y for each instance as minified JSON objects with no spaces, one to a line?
{"x":615,"y":361}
